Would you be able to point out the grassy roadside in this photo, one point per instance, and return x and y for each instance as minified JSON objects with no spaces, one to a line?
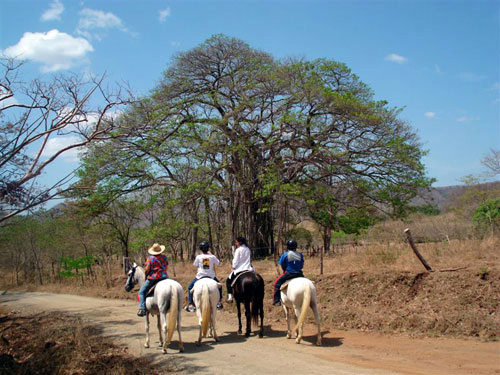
{"x":56,"y":343}
{"x":375,"y":288}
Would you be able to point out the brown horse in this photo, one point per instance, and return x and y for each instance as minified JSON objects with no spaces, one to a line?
{"x":248,"y":289}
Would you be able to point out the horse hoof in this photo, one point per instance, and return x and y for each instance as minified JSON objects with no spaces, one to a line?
{"x":164,"y":351}
{"x":261,"y":335}
{"x":247,"y":334}
{"x":297,"y":341}
{"x":288,"y":336}
{"x":146,"y":345}
{"x":181,"y":350}
{"x":239,"y":332}
{"x":160,"y":344}
{"x":198,"y":343}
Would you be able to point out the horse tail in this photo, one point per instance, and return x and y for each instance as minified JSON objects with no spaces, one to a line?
{"x":205,"y":310}
{"x":257,"y":299}
{"x":174,"y":311}
{"x":306,"y":301}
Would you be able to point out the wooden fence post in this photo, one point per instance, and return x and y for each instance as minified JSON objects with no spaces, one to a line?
{"x":417,"y":253}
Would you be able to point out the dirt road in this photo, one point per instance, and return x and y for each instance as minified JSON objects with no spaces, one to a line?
{"x":343,"y":352}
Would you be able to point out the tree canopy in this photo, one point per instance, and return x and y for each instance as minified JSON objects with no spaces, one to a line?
{"x":234,"y":135}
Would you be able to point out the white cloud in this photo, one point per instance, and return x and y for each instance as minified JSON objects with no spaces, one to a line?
{"x":437,"y":69}
{"x":398,"y":59}
{"x":58,"y":143}
{"x":467,"y":119}
{"x":429,"y":114}
{"x":175,"y":43}
{"x":55,"y":50}
{"x":54,"y":12}
{"x":163,"y":14}
{"x":91,"y":20}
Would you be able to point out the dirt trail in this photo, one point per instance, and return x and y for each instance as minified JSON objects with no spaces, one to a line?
{"x":343,"y":352}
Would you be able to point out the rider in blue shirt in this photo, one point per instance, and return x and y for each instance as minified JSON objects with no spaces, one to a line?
{"x":291,"y":263}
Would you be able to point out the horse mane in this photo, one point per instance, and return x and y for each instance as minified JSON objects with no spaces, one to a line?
{"x":140,"y":275}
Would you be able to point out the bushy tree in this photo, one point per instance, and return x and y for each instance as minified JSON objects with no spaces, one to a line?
{"x":231,"y":127}
{"x":487,"y":215}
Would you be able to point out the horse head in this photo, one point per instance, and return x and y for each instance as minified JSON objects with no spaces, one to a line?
{"x":131,"y":279}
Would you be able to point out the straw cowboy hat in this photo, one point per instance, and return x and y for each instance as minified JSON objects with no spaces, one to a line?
{"x":156,"y":249}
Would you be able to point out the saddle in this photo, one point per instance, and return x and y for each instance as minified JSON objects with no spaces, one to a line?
{"x":285,"y":284}
{"x":151,"y":291}
{"x":238,"y":276}
{"x":219,"y":285}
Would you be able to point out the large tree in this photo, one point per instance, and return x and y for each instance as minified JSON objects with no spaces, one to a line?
{"x":229,"y":123}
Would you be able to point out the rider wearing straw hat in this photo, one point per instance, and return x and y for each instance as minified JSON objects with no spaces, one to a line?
{"x":156,"y":270}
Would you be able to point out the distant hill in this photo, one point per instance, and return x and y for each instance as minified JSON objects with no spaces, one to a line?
{"x":446,"y":196}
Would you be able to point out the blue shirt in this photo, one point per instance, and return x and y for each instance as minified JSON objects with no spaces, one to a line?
{"x":292,"y":261}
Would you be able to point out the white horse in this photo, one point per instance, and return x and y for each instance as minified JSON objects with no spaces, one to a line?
{"x":206,"y":296}
{"x":300,"y":294}
{"x":166,"y":300}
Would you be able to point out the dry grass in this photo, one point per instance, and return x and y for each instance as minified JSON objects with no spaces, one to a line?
{"x":55,"y":343}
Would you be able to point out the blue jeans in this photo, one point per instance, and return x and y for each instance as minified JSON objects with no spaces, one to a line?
{"x":144,"y":290}
{"x":190,"y":290}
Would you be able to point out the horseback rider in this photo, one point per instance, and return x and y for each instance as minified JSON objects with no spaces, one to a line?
{"x":241,"y":263}
{"x":291,"y":263}
{"x":206,"y":263}
{"x":156,"y":270}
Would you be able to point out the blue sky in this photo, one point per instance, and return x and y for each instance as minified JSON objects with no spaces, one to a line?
{"x":439,"y":60}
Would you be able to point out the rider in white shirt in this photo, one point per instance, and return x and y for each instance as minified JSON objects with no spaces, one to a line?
{"x":205,"y":264}
{"x":242,"y":261}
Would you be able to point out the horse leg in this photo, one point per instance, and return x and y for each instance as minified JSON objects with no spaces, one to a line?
{"x":159,"y":331}
{"x":163,"y":319}
{"x":239,"y":317}
{"x":314,"y":308}
{"x":181,"y":345}
{"x":212,"y":324}
{"x":261,"y":311}
{"x":198,"y":314}
{"x":298,"y":329}
{"x":288,"y":318}
{"x":248,"y":315}
{"x":146,"y":344}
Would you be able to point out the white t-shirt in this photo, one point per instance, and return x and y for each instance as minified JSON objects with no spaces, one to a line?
{"x":205,"y":264}
{"x":242,"y":260}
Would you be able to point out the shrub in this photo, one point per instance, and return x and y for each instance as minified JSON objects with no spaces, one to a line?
{"x":487,"y":216}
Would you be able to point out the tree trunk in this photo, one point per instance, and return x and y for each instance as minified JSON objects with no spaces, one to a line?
{"x":209,"y":224}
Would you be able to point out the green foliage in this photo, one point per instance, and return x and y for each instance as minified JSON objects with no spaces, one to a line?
{"x":487,"y":215}
{"x":356,"y":219}
{"x":426,"y":209}
{"x":301,"y":235}
{"x":71,"y":266}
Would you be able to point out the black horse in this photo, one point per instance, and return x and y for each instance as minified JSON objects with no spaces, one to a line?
{"x":249,"y":290}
